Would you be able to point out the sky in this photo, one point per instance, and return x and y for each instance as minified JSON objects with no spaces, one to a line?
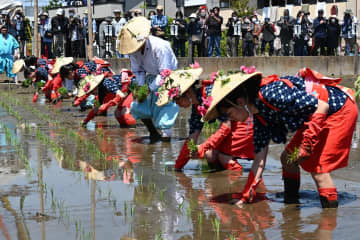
{"x":41,"y":2}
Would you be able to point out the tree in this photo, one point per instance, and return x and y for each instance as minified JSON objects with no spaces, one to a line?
{"x":242,"y":7}
{"x":52,"y":4}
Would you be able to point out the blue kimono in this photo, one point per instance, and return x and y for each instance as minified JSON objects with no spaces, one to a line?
{"x":8,"y":45}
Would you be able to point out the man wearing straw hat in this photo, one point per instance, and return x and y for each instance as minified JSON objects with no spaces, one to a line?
{"x":149,"y":56}
{"x":9,"y":51}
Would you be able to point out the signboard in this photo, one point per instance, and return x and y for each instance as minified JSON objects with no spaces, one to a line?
{"x":189,"y":3}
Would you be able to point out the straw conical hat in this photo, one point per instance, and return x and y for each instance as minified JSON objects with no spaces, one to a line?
{"x":62,"y":61}
{"x":183,"y":79}
{"x":222,"y":88}
{"x":89,"y":83}
{"x":133,"y":35}
{"x":18,"y":66}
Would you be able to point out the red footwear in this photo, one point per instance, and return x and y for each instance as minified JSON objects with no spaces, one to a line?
{"x":234,"y":166}
{"x":126,"y":120}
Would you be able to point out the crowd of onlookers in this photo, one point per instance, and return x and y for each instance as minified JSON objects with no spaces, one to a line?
{"x":204,"y":33}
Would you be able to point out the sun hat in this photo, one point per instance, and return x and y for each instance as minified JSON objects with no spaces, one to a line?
{"x":117,"y":11}
{"x":89,"y":83}
{"x":62,"y":61}
{"x":348,"y":11}
{"x":18,"y":66}
{"x":133,"y":35}
{"x":43,"y":14}
{"x":180,"y":81}
{"x":86,"y":11}
{"x":193,"y":15}
{"x":223,"y":86}
{"x":160,"y":7}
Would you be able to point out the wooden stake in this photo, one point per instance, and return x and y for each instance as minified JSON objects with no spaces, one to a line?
{"x":90,"y":30}
{"x":35,"y":39}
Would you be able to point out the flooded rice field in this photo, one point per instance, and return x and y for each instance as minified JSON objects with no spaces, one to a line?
{"x":61,"y":181}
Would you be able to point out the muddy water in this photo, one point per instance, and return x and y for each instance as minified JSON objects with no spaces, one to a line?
{"x":62,"y":190}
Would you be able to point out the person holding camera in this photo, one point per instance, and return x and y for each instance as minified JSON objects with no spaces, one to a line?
{"x":320,"y":34}
{"x":59,"y":28}
{"x":214,"y":22}
{"x":247,"y":37}
{"x":106,"y":37}
{"x":286,"y":23}
{"x":180,"y":38}
{"x":232,"y":40}
{"x":333,"y":36}
{"x":349,"y":31}
{"x":76,"y":36}
{"x":195,"y":36}
{"x":18,"y":28}
{"x":268,"y":31}
{"x":301,"y":34}
{"x":202,"y":16}
{"x":118,"y":23}
{"x":46,"y":35}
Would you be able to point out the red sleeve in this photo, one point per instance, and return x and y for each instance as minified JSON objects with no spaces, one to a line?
{"x":262,"y":29}
{"x":57,"y":83}
{"x":48,"y":85}
{"x":273,"y":27}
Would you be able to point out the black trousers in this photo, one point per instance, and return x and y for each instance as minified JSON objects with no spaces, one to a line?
{"x":319,"y":43}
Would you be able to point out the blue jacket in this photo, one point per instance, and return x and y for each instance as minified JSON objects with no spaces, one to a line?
{"x":320,"y":29}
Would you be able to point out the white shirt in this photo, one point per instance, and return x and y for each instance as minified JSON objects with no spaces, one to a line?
{"x":158,"y":55}
{"x":118,"y":25}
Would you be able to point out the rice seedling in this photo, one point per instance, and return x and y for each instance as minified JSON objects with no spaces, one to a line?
{"x":216,"y":226}
{"x":125,"y":208}
{"x":132,"y":210}
{"x":159,"y":236}
{"x":162,"y":194}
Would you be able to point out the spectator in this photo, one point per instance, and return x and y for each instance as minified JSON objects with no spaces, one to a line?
{"x":333,"y":35}
{"x":204,"y":41}
{"x":9,"y":51}
{"x":256,"y":33}
{"x":349,"y":31}
{"x":128,"y":16}
{"x":18,"y":21}
{"x":257,"y":16}
{"x":277,"y":41}
{"x":247,"y":38}
{"x":195,"y":36}
{"x":232,"y":40}
{"x":180,"y":39}
{"x":159,"y":23}
{"x":302,"y":34}
{"x":106,"y":37}
{"x":46,"y":35}
{"x":68,"y":47}
{"x":76,"y":36}
{"x":85,"y":23}
{"x":286,"y":23}
{"x":151,"y":14}
{"x":320,"y":34}
{"x":59,"y":26}
{"x":268,"y":31}
{"x":118,"y":24}
{"x":214,"y":22}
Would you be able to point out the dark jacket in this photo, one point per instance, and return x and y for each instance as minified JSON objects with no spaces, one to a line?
{"x":287,"y":28}
{"x":268,"y":30}
{"x":59,"y":25}
{"x":182,"y":30}
{"x":333,"y":33}
{"x":246,"y":29}
{"x":214,"y":27}
{"x":320,"y":29}
{"x":305,"y":28}
{"x":194,"y":28}
{"x":230,"y":25}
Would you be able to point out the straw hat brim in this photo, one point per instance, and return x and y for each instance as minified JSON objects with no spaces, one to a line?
{"x":133,"y":35}
{"x":183,"y":79}
{"x":61,"y":62}
{"x":18,"y":66}
{"x":221,"y":90}
{"x":94,"y":82}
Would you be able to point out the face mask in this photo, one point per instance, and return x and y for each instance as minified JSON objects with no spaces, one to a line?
{"x":254,"y":19}
{"x":71,"y":14}
{"x":235,"y":18}
{"x":203,"y":14}
{"x":247,"y":21}
{"x":192,"y":19}
{"x":333,"y":20}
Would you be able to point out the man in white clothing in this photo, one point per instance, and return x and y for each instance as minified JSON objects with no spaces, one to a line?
{"x":149,"y":56}
{"x":118,"y":23}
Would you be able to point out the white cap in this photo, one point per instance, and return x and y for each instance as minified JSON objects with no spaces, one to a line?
{"x":193,"y":15}
{"x":60,"y":11}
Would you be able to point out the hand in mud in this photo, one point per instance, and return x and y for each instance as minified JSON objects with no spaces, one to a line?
{"x":56,"y":100}
{"x":304,"y":153}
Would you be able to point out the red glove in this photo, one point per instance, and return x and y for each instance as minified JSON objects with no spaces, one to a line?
{"x":35,"y":97}
{"x":214,"y":140}
{"x":110,"y":104}
{"x":54,"y":95}
{"x":311,"y":134}
{"x":90,"y":116}
{"x":249,"y":193}
{"x":80,"y":100}
{"x":183,"y":157}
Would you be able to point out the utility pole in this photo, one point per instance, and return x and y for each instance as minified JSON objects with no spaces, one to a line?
{"x":90,"y":30}
{"x":36,"y":37}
